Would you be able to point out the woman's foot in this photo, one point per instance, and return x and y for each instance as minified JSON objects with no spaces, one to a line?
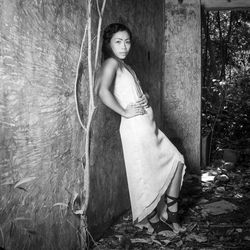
{"x":175,"y":226}
{"x":170,"y":217}
{"x":157,"y":225}
{"x":144,"y":224}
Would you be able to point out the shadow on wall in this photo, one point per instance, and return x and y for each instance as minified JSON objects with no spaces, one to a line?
{"x":146,"y":59}
{"x":109,"y":196}
{"x":179,"y":145}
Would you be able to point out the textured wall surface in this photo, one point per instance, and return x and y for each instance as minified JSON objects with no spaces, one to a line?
{"x":182,"y":81}
{"x":41,"y":141}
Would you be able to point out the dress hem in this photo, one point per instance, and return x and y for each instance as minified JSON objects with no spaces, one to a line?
{"x":148,"y":209}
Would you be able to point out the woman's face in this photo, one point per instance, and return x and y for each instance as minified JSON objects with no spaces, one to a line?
{"x":120,"y":44}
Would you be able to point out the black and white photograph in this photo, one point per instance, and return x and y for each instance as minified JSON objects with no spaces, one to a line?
{"x":124,"y":124}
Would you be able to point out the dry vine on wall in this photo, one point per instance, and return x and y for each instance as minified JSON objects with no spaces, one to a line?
{"x":91,"y":109}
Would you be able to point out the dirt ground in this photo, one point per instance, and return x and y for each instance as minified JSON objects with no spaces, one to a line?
{"x":214,"y":207}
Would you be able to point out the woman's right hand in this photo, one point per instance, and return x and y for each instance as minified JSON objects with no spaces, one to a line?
{"x":134,"y":109}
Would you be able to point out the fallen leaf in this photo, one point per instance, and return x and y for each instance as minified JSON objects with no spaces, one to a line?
{"x":191,"y":227}
{"x":222,"y":178}
{"x":139,"y":240}
{"x":167,"y":233}
{"x":166,"y":241}
{"x":228,"y":165}
{"x":229,"y":231}
{"x":199,"y":238}
{"x":179,"y":243}
{"x":118,"y":236}
{"x":202,"y":201}
{"x":157,"y":242}
{"x":126,"y":217}
{"x":238,"y":196}
{"x":204,"y":214}
{"x":220,"y":189}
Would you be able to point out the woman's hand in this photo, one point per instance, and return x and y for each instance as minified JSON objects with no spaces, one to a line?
{"x":143,"y":101}
{"x":134,"y":109}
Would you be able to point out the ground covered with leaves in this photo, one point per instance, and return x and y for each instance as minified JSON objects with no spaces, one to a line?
{"x":214,"y":208}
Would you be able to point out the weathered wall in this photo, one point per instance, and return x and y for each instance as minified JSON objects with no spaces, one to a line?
{"x":109,"y":194}
{"x":182,"y":81}
{"x":41,"y":141}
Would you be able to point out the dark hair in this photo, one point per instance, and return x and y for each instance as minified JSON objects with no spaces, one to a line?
{"x":108,"y":33}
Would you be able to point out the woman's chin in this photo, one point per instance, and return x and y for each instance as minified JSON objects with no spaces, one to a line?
{"x":122,"y":57}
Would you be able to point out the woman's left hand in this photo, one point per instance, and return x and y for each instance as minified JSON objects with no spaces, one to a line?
{"x":143,"y":101}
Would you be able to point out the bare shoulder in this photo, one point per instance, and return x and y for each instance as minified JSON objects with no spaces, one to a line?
{"x":108,"y":69}
{"x":106,"y":74}
{"x":109,"y":65}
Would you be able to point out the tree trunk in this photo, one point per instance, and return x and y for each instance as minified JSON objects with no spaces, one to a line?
{"x":212,"y":66}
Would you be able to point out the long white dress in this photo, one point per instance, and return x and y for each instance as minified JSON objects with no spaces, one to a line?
{"x":150,"y":158}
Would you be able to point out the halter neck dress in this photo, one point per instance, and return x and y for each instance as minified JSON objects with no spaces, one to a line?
{"x":150,"y":158}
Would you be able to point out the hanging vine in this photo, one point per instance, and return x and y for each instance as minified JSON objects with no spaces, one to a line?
{"x":91,"y":110}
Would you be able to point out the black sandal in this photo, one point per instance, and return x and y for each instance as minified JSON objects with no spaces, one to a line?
{"x":172,"y":216}
{"x":158,"y":226}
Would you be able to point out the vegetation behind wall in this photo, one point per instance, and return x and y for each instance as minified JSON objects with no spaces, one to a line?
{"x":226,"y":76}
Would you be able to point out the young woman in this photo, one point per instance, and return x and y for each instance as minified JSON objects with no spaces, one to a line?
{"x":154,"y":166}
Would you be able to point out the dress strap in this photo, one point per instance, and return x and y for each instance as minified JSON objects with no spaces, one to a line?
{"x":136,"y":80}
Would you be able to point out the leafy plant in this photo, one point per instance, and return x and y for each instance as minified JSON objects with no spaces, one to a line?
{"x":226,"y":77}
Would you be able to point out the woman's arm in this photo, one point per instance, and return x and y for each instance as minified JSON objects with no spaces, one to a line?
{"x":106,"y":78}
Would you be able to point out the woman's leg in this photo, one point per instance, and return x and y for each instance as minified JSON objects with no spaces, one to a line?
{"x":175,"y":186}
{"x":173,"y":191}
{"x":153,"y":216}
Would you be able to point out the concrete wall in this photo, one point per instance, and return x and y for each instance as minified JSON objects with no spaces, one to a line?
{"x":41,"y":141}
{"x":182,"y":78}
